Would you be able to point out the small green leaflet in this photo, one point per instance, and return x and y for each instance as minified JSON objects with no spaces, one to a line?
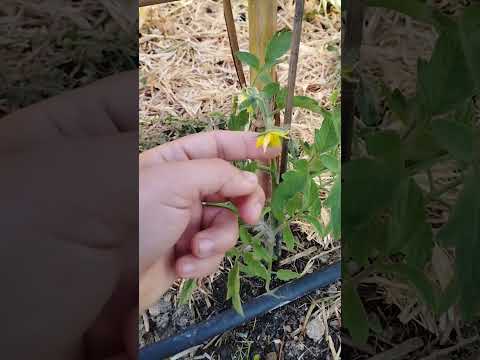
{"x":271,"y":89}
{"x":256,"y":267}
{"x":326,"y":136}
{"x":293,"y":182}
{"x":332,"y":163}
{"x":287,"y":275}
{"x":288,"y":238}
{"x":277,"y":47}
{"x":260,"y":252}
{"x":307,"y":103}
{"x":334,"y":202}
{"x":233,"y":288}
{"x":353,"y":313}
{"x":446,"y":70}
{"x":239,"y":121}
{"x":188,"y":286}
{"x":245,"y":236}
{"x":249,"y":59}
{"x":455,"y":137}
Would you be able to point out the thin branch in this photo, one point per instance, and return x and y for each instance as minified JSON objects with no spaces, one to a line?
{"x":142,"y":3}
{"x":292,"y":77}
{"x":233,"y":40}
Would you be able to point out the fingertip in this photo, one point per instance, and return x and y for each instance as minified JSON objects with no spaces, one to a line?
{"x":250,"y":208}
{"x":185,"y":267}
{"x":252,"y":214}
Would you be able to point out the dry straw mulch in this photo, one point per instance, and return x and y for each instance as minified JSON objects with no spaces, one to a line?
{"x":187,"y":70}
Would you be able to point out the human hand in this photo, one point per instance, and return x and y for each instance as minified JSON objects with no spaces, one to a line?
{"x":180,"y":237}
{"x":70,"y":225}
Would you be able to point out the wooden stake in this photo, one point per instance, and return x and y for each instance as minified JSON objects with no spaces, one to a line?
{"x":292,"y":77}
{"x":262,"y":25}
{"x":232,"y":37}
{"x":350,"y":55}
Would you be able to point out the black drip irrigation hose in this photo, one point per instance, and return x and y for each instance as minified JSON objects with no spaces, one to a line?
{"x":228,"y":320}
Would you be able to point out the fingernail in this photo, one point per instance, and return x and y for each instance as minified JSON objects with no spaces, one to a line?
{"x":250,"y":177}
{"x":205,"y":247}
{"x":187,"y":269}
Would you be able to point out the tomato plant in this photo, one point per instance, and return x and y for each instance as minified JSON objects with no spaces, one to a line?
{"x":313,"y":168}
{"x":385,"y":225}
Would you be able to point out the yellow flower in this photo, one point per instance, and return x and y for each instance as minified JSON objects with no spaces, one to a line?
{"x":272,"y":138}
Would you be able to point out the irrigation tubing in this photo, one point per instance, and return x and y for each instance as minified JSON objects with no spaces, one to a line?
{"x":228,"y":320}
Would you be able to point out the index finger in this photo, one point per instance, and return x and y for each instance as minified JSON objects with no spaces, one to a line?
{"x":222,"y":144}
{"x":102,"y":108}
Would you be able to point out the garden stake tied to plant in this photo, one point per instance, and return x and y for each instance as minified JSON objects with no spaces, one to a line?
{"x":293,"y":192}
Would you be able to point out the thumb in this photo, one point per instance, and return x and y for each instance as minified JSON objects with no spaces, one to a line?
{"x":175,"y":189}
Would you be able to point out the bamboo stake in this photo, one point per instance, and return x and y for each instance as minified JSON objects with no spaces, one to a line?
{"x":292,"y":77}
{"x":262,"y":25}
{"x":233,"y":40}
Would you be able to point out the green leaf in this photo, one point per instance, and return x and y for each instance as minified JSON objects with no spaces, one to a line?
{"x":277,"y":47}
{"x":408,"y":218}
{"x":293,"y":182}
{"x":334,"y":202}
{"x":245,"y":236}
{"x":271,"y":89}
{"x":294,"y":204}
{"x":256,"y":267}
{"x":308,"y":103}
{"x":233,"y":288}
{"x":455,"y":137}
{"x":369,"y":186}
{"x":398,"y":104}
{"x":265,"y":77}
{"x":249,"y":59}
{"x":326,"y":137}
{"x":332,"y":163}
{"x":463,"y":233}
{"x":260,"y":252}
{"x":287,"y":275}
{"x":288,"y":238}
{"x":239,"y":121}
{"x":445,"y":81}
{"x":470,"y":33}
{"x":188,"y":286}
{"x":354,"y":316}
{"x":250,"y":166}
{"x":281,"y":98}
{"x":385,"y":145}
{"x":365,"y":98}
